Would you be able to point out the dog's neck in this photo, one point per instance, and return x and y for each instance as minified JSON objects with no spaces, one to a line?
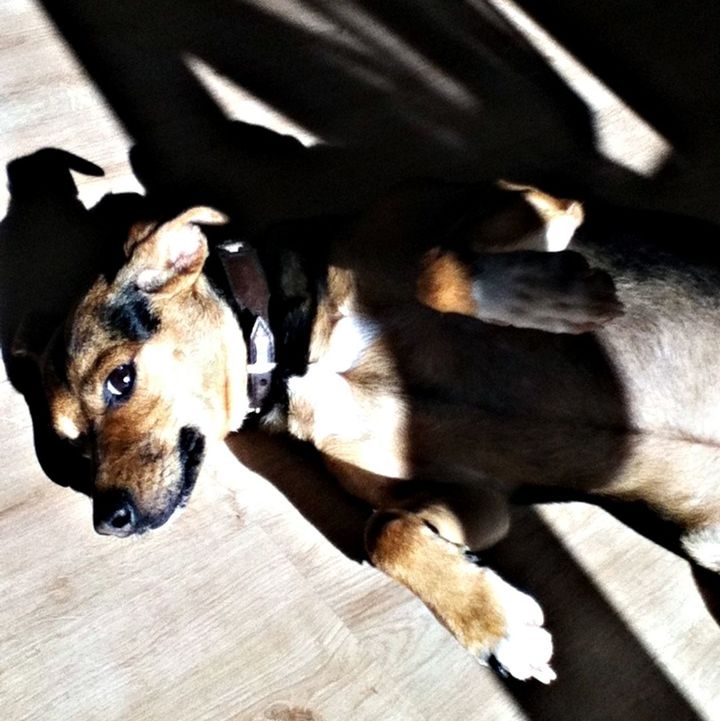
{"x":272,"y":288}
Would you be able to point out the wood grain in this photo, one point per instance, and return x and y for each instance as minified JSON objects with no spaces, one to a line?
{"x":240,"y":609}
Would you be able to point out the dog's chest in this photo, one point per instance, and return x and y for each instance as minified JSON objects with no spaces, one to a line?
{"x":347,"y":403}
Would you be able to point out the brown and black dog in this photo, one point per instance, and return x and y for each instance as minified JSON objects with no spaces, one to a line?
{"x":397,"y":354}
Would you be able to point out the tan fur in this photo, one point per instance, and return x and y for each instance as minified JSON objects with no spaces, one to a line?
{"x":437,"y":571}
{"x":438,"y":465}
{"x":444,"y":284}
{"x":136,"y":435}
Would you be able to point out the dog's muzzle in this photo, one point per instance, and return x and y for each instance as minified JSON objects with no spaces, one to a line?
{"x":115,"y":511}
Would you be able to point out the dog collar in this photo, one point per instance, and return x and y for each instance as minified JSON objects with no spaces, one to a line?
{"x":251,"y":298}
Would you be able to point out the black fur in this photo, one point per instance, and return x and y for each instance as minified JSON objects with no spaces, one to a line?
{"x":294,"y":258}
{"x":191,"y":445}
{"x":130,"y":315}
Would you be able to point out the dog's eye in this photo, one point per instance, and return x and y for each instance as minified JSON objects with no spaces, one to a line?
{"x":119,"y":384}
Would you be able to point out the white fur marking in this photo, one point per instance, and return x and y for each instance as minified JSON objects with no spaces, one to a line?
{"x":527,"y":647}
{"x":151,"y":279}
{"x":350,"y":338}
{"x":559,"y":232}
{"x":703,"y":546}
{"x":67,"y":427}
{"x":334,"y":409}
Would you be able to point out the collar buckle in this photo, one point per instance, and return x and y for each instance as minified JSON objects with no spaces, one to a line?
{"x":251,"y":298}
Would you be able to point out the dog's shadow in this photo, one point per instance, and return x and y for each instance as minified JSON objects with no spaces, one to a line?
{"x":601,"y":665}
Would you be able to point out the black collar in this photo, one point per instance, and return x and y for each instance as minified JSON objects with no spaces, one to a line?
{"x":273,"y":284}
{"x":250,"y":297}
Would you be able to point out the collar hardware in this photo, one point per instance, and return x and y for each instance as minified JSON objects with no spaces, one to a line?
{"x":251,"y":298}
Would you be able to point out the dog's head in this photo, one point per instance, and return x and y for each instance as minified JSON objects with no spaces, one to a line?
{"x":150,"y":368}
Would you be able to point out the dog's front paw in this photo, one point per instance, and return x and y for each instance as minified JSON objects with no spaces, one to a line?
{"x":502,"y":626}
{"x":489,"y":617}
{"x":525,"y":650}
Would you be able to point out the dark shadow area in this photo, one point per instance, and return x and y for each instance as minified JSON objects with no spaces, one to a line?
{"x":393,"y":90}
{"x":661,"y":58}
{"x":708,"y":584}
{"x":49,"y":248}
{"x":604,"y":673}
{"x":49,"y":243}
{"x":298,"y":471}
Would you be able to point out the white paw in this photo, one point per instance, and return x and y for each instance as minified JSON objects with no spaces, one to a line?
{"x":525,"y":653}
{"x":703,"y":546}
{"x":526,"y":649}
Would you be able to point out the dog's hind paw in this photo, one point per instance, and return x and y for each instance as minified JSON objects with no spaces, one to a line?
{"x":703,"y":546}
{"x":555,"y":292}
{"x":525,"y":650}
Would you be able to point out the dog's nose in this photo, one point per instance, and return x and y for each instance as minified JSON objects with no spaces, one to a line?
{"x":115,"y":514}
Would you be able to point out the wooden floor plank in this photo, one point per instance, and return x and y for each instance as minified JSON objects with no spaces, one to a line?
{"x":240,"y":609}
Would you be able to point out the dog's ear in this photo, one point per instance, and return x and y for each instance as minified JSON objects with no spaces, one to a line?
{"x":67,"y":416}
{"x":169,"y":258}
{"x":138,"y":232}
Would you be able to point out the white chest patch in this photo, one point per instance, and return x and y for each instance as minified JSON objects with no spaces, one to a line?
{"x":326,"y":390}
{"x":335,"y":410}
{"x":330,"y":410}
{"x":350,"y":338}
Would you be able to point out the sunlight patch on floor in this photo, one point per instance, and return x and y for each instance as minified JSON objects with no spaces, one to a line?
{"x":617,"y":126}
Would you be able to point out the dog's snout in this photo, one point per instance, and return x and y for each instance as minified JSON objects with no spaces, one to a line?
{"x":115,"y":514}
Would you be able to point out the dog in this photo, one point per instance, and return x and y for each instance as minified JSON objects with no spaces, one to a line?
{"x":442,"y":352}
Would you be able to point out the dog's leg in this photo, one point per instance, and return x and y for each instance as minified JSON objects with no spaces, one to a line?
{"x":421,"y":536}
{"x":702,"y":544}
{"x":556,"y":292}
{"x":472,"y":516}
{"x":486,"y":614}
{"x":678,"y":479}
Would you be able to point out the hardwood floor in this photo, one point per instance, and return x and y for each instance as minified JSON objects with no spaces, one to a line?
{"x":241,"y":609}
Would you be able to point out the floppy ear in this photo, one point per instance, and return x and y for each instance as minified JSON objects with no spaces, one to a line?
{"x":66,"y":414}
{"x":139,"y":232}
{"x":169,"y":258}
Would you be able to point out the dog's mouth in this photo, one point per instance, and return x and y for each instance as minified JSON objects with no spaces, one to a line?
{"x":116,"y":512}
{"x":191,"y":445}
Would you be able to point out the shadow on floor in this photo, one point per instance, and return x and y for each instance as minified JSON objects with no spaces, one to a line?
{"x":392,"y":89}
